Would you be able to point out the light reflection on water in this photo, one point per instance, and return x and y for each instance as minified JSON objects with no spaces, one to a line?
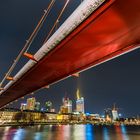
{"x":71,"y":132}
{"x":20,"y":133}
{"x":89,"y":132}
{"x":105,"y":134}
{"x":124,"y":133}
{"x":78,"y":132}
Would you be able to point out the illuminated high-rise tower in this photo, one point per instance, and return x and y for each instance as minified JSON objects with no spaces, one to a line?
{"x":48,"y":105}
{"x":31,"y":103}
{"x":115,"y":114}
{"x":67,"y":105}
{"x":79,"y":103}
{"x":37,"y":106}
{"x":23,"y":106}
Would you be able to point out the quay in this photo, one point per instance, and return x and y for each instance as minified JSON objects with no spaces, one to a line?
{"x":28,"y":118}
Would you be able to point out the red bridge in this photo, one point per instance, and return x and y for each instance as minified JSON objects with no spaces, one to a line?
{"x":111,"y":30}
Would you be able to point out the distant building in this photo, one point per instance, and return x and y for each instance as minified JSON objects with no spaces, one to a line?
{"x":79,"y":103}
{"x":31,"y":103}
{"x":108,"y":114}
{"x":37,"y":106}
{"x":23,"y":106}
{"x":63,"y":109}
{"x":52,"y":110}
{"x":111,"y":113}
{"x":115,"y":114}
{"x":67,"y":103}
{"x":66,"y":106}
{"x":48,"y":106}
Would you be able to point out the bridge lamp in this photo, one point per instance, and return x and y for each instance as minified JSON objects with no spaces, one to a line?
{"x":75,"y":75}
{"x":47,"y":86}
{"x":10,"y":78}
{"x":30,"y":56}
{"x":1,"y":88}
{"x":32,"y":93}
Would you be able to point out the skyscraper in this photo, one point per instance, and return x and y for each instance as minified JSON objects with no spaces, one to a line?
{"x":48,"y":106}
{"x":115,"y":114}
{"x":108,"y":114}
{"x":67,"y":106}
{"x":112,"y":113}
{"x":23,"y":106}
{"x":31,"y":103}
{"x":37,"y":106}
{"x":79,"y":103}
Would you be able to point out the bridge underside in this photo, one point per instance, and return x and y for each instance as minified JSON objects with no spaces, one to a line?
{"x":104,"y":35}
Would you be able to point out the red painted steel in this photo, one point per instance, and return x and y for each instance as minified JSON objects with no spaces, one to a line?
{"x":102,"y":36}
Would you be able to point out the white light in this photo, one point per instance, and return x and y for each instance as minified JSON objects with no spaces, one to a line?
{"x":120,"y":114}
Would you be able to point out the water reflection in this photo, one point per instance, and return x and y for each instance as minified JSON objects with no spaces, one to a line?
{"x":20,"y":134}
{"x":79,"y":132}
{"x":105,"y":134}
{"x":59,"y":133}
{"x":89,"y":132}
{"x":7,"y":133}
{"x":124,"y":134}
{"x":121,"y":132}
{"x":38,"y":136}
{"x":67,"y":132}
{"x":71,"y":132}
{"x":118,"y":133}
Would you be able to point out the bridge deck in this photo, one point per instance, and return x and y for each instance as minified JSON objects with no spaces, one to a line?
{"x":104,"y":35}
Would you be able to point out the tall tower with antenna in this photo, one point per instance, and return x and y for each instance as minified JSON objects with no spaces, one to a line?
{"x":115,"y":114}
{"x":79,"y":103}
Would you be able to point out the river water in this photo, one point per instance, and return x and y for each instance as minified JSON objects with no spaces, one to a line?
{"x":70,"y":132}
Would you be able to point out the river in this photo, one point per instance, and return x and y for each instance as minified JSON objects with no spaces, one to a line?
{"x":70,"y":132}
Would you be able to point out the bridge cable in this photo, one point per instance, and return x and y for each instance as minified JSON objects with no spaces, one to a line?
{"x":46,"y":12}
{"x":29,"y":41}
{"x":57,"y":21}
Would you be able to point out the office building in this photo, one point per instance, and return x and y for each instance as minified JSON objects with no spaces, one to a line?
{"x":37,"y":106}
{"x":48,"y":106}
{"x":79,"y":103}
{"x":66,"y":106}
{"x":23,"y":106}
{"x":115,"y":114}
{"x":31,"y":103}
{"x":108,"y":114}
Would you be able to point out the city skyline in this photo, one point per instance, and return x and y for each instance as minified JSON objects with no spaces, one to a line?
{"x":110,"y":114}
{"x":57,"y":106}
{"x":116,"y":81}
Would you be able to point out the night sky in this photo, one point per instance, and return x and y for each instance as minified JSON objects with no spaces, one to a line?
{"x":116,"y":81}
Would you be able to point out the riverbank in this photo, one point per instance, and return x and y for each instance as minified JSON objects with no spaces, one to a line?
{"x":65,"y":123}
